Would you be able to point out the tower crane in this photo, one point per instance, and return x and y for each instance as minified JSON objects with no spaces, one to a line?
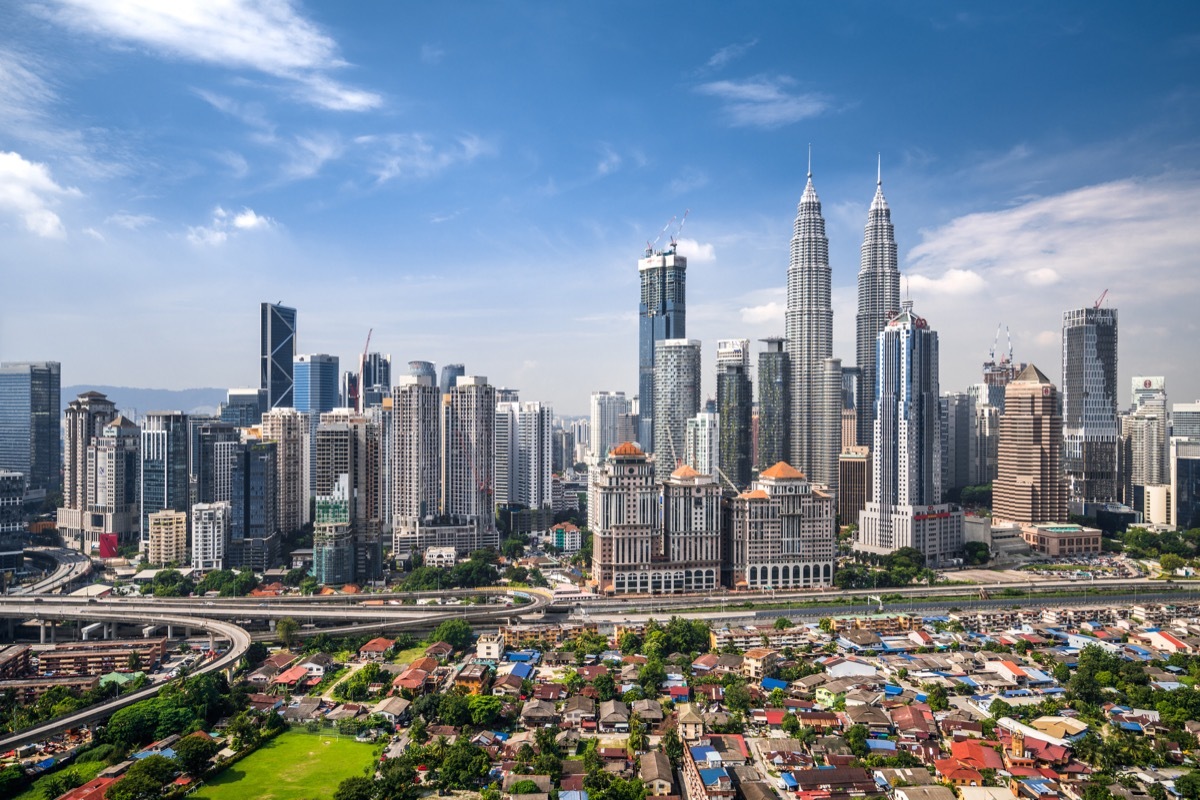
{"x":1100,"y":299}
{"x":679,"y":230}
{"x":359,"y":390}
{"x":651,"y":245}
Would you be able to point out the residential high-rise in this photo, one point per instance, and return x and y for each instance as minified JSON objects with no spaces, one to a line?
{"x":676,"y":400}
{"x":277,"y":334}
{"x":773,"y":418}
{"x":1029,"y":486}
{"x":210,"y":535}
{"x":851,"y":400}
{"x":83,"y":422}
{"x":167,"y":539}
{"x":702,"y":443}
{"x":534,"y":454}
{"x":30,"y":437}
{"x":1185,"y":420}
{"x":606,"y":408}
{"x":289,"y":430}
{"x":1089,"y":403}
{"x":735,"y":405}
{"x":164,"y":466}
{"x":468,"y":442}
{"x":450,"y":374}
{"x":782,"y":533}
{"x":253,"y":529}
{"x":957,"y":417}
{"x":1143,"y":444}
{"x":626,"y":517}
{"x":809,"y":333}
{"x":416,"y":460}
{"x":507,"y":453}
{"x":114,"y":468}
{"x":878,"y":302}
{"x":348,"y":449}
{"x":661,"y":317}
{"x":213,"y":461}
{"x":315,"y":379}
{"x":333,"y":534}
{"x":906,"y":508}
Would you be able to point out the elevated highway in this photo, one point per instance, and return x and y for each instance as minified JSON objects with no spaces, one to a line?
{"x":69,"y":566}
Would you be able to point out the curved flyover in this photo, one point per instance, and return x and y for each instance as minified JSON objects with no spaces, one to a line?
{"x":69,"y":566}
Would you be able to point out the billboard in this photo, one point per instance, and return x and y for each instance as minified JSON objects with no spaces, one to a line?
{"x":108,"y":545}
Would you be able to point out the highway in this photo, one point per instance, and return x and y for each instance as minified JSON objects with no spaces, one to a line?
{"x":70,"y":565}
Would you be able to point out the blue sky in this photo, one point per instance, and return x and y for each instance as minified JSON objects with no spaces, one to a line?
{"x":476,"y":181}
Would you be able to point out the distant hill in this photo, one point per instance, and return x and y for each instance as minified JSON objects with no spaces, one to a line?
{"x":130,"y":399}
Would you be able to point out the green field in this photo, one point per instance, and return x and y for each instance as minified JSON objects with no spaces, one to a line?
{"x":292,"y":766}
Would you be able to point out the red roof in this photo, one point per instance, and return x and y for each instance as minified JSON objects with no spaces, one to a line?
{"x":973,"y":753}
{"x":92,"y":790}
{"x":291,"y":675}
{"x":377,"y":645}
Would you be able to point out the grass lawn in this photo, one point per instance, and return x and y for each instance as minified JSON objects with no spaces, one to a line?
{"x":410,"y":655}
{"x":85,"y":771}
{"x":292,"y":766}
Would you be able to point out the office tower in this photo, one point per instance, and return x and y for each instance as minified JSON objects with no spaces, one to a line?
{"x":1185,"y":420}
{"x":878,"y":302}
{"x":1029,"y":486}
{"x":1185,"y":483}
{"x":114,"y":468}
{"x":348,"y":445}
{"x":426,"y":369}
{"x":626,"y":517}
{"x":450,"y":375}
{"x":167,"y":540}
{"x":563,"y":452}
{"x":506,"y":395}
{"x":735,"y":406}
{"x":854,"y":483}
{"x":687,"y":554}
{"x":30,"y":437}
{"x":661,"y":317}
{"x":315,"y":381}
{"x":289,"y":430}
{"x":416,"y":460}
{"x":212,"y":461}
{"x":906,"y":508}
{"x":210,"y":535}
{"x":606,"y":410}
{"x":83,"y":422}
{"x":957,"y":416}
{"x":987,"y":406}
{"x":851,"y":386}
{"x":676,"y":400}
{"x":164,"y":466}
{"x":534,"y":454}
{"x":333,"y":534}
{"x":468,"y":444}
{"x":782,"y":533}
{"x":253,"y":532}
{"x":702,"y":443}
{"x":809,"y":333}
{"x":367,"y":386}
{"x":828,"y":437}
{"x":628,"y":426}
{"x":383,"y":418}
{"x":1089,"y":398}
{"x":1144,"y":434}
{"x":243,"y":408}
{"x":277,"y":334}
{"x":12,"y":497}
{"x":773,"y":388}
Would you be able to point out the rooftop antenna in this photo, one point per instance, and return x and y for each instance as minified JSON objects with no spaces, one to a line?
{"x":879,"y":169}
{"x":810,"y":159}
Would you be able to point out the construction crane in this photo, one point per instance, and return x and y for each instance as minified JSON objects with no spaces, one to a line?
{"x":1100,"y":299}
{"x":359,"y":393}
{"x":679,"y":230}
{"x":651,"y":245}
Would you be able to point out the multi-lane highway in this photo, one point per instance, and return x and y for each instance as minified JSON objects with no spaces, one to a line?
{"x":69,"y":566}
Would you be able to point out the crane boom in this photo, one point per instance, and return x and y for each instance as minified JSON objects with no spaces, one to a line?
{"x":1100,"y":299}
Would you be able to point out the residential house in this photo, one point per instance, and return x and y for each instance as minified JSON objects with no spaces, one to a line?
{"x":439,"y":650}
{"x":688,"y":722}
{"x":579,"y":711}
{"x":473,"y":678}
{"x":376,"y":650}
{"x":613,"y":717}
{"x":394,"y":709}
{"x":757,"y":662}
{"x":649,"y":711}
{"x":489,"y":647}
{"x":654,"y":770}
{"x":318,"y":664}
{"x":539,"y":713}
{"x":924,"y":793}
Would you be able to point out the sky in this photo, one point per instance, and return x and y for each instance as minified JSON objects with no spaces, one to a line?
{"x":475,"y":182}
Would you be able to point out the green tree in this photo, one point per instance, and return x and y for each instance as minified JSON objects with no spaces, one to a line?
{"x":737,"y":698}
{"x":638,"y":739}
{"x":651,"y":677}
{"x":791,"y":725}
{"x":193,"y":753}
{"x":134,"y":787}
{"x":1169,"y":562}
{"x":485,"y":709}
{"x":672,"y":746}
{"x":782,"y":624}
{"x":58,"y":783}
{"x":356,"y":788}
{"x":134,"y":662}
{"x":826,"y":624}
{"x":606,"y":688}
{"x":454,"y":632}
{"x":286,"y":629}
{"x":856,"y":740}
{"x":295,"y":577}
{"x":629,"y":643}
{"x":455,"y":710}
{"x":525,"y":786}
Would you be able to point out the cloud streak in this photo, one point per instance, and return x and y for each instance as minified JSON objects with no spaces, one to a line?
{"x":269,"y":36}
{"x":414,"y":155}
{"x":764,"y":101}
{"x":27,"y":190}
{"x":224,"y":224}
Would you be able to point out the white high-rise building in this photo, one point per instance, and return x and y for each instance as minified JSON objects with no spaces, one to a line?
{"x":676,"y":399}
{"x":815,"y":435}
{"x":906,"y":508}
{"x":210,"y":535}
{"x":507,"y":453}
{"x":83,"y":422}
{"x":468,"y":450}
{"x":1144,"y":435}
{"x":289,"y":429}
{"x":702,"y":447}
{"x":1185,"y":420}
{"x":535,"y":429}
{"x":606,"y":411}
{"x":416,"y":459}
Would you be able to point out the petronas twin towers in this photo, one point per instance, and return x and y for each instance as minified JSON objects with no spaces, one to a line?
{"x":816,"y":393}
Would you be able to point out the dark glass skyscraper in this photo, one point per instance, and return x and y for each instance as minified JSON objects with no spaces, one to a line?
{"x":661,"y":316}
{"x":1089,"y":398}
{"x":277,"y":333}
{"x":450,"y":373}
{"x":30,"y":404}
{"x":253,"y":529}
{"x":164,"y":459}
{"x":315,"y":383}
{"x":773,"y":378}
{"x":735,"y":405}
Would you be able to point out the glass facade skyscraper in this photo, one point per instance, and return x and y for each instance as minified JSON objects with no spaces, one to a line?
{"x":661,"y":316}
{"x":1089,"y":397}
{"x":315,"y":383}
{"x":30,"y":404}
{"x":164,"y":470}
{"x":277,"y":334}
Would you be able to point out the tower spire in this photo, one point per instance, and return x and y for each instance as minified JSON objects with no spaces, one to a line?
{"x":879,"y":169}
{"x":810,"y":159}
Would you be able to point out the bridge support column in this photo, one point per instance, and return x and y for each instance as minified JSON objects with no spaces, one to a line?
{"x":211,"y":643}
{"x":271,"y":623}
{"x":42,"y":631}
{"x":53,"y":629}
{"x":170,"y":631}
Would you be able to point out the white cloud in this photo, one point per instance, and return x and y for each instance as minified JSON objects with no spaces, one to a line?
{"x":952,"y":282}
{"x":610,"y":161}
{"x":27,"y":190}
{"x":767,"y":312}
{"x":412,"y":155}
{"x":130,"y":221}
{"x":309,"y":153}
{"x":764,"y":101}
{"x":729,"y":53}
{"x":695,"y":251}
{"x":95,"y":234}
{"x":432,"y":54}
{"x":224,"y":224}
{"x":269,"y":36}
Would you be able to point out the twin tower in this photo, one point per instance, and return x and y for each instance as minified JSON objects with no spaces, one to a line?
{"x":819,"y":387}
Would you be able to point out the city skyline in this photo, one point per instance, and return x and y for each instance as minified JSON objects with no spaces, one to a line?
{"x":364,"y":171}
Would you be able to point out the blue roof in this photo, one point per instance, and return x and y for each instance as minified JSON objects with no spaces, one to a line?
{"x":788,"y":780}
{"x":881,"y":744}
{"x":1131,"y":726}
{"x":892,"y":691}
{"x":968,"y":681}
{"x":713,"y":776}
{"x":701,"y":752}
{"x":522,"y":671}
{"x":573,"y":795}
{"x":518,"y":656}
{"x":773,"y":683}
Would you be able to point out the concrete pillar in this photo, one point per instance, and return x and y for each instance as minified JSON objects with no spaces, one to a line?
{"x":211,"y":643}
{"x":271,"y":622}
{"x":42,"y":630}
{"x":170,"y":631}
{"x":53,"y":629}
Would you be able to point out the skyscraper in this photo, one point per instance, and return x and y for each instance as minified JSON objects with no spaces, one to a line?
{"x":606,"y":408}
{"x":1089,"y":397}
{"x":661,"y":316}
{"x":735,"y":405}
{"x":346,"y":539}
{"x":702,"y":443}
{"x":83,"y":420}
{"x":113,"y":491}
{"x":957,"y":415}
{"x":468,"y":444}
{"x":315,"y":382}
{"x":534,"y":453}
{"x":253,"y":531}
{"x":1029,"y":486}
{"x":878,"y":302}
{"x":244,"y":407}
{"x":1143,"y":446}
{"x":450,"y":374}
{"x":676,"y":399}
{"x":277,"y":334}
{"x":30,"y":398}
{"x":213,"y":461}
{"x":906,"y":509}
{"x":416,"y":456}
{"x":809,"y":333}
{"x":289,"y":430}
{"x":425,"y":369}
{"x":164,"y":466}
{"x":773,"y":418}
{"x":210,"y":535}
